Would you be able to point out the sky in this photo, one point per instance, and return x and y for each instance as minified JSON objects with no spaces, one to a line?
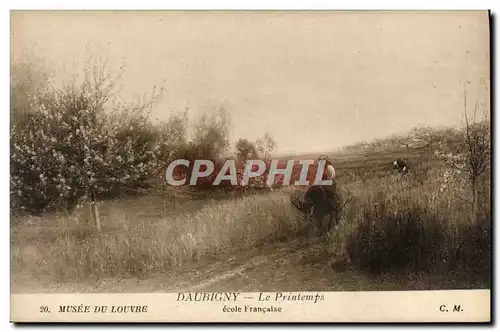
{"x":316,"y":81}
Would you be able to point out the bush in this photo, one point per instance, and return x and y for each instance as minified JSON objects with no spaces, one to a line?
{"x":473,"y":252}
{"x":397,"y":227}
{"x":211,"y":134}
{"x":386,"y":240}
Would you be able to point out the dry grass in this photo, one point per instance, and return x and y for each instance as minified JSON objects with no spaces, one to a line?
{"x":406,"y":225}
{"x":67,"y":248}
{"x":392,"y":225}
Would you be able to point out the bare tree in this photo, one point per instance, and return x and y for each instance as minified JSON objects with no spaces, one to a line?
{"x":265,"y":145}
{"x":473,"y":156}
{"x":477,"y":144}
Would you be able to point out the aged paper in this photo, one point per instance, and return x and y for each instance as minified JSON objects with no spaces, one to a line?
{"x":250,"y":166}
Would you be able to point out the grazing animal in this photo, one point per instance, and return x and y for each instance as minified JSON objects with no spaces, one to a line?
{"x":400,"y":165}
{"x":322,"y":202}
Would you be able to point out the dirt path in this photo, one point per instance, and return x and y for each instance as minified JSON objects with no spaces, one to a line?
{"x":286,"y":266}
{"x":300,"y":264}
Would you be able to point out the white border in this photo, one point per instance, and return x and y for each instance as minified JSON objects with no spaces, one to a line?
{"x":257,"y":4}
{"x":191,"y":4}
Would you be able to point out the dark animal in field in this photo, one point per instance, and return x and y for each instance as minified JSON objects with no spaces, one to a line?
{"x":400,"y":166}
{"x":321,"y":203}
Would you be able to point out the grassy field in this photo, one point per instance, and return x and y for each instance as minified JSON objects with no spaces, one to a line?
{"x":136,"y":240}
{"x":392,"y":225}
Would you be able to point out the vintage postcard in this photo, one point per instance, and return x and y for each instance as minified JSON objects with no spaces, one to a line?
{"x":250,"y":166}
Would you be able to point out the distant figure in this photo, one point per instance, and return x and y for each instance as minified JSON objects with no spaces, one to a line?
{"x":400,"y":165}
{"x":329,"y":170}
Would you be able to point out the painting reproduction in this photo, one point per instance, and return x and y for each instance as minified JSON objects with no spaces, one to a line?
{"x":250,"y":166}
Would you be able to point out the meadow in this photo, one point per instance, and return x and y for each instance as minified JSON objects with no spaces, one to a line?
{"x":391,"y":225}
{"x":89,"y":202}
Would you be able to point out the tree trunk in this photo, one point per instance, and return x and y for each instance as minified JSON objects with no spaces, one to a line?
{"x":95,"y":212}
{"x":66,"y":211}
{"x":174,"y":197}
{"x":164,"y":207}
{"x":474,"y":198}
{"x":97,"y":218}
{"x":164,"y":202}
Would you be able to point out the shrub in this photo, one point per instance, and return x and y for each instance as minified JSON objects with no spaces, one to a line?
{"x":396,"y":227}
{"x":211,"y":134}
{"x":473,"y":251}
{"x":389,"y":239}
